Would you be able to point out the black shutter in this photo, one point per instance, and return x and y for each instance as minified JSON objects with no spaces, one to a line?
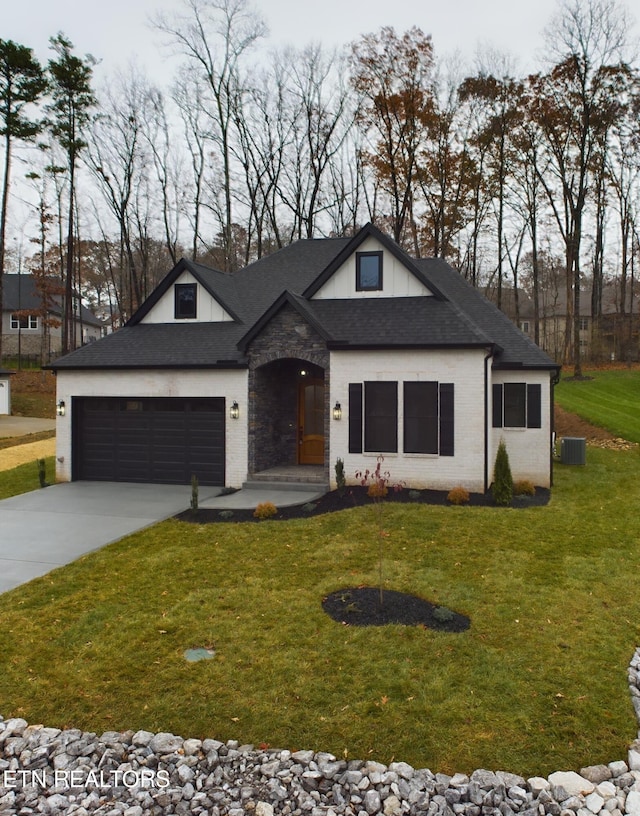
{"x":355,"y":417}
{"x":381,"y":416}
{"x":497,"y":405}
{"x":446,"y":420}
{"x":534,"y":405}
{"x":421,"y":417}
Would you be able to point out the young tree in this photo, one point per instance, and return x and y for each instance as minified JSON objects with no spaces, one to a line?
{"x":72,"y":101}
{"x":22,"y":83}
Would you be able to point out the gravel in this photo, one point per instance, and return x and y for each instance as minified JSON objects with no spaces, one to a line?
{"x":51,"y":771}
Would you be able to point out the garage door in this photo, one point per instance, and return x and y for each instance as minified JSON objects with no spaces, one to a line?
{"x":163,"y":441}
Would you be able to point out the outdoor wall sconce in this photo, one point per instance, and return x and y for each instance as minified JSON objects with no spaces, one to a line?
{"x":234,"y":411}
{"x":60,"y":408}
{"x":337,"y":411}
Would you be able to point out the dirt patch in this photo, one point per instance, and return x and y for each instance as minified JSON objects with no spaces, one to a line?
{"x":568,"y":424}
{"x":21,"y":454}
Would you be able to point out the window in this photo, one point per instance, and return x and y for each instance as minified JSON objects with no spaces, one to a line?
{"x":24,"y":321}
{"x":525,"y":326}
{"x":584,"y":324}
{"x":517,"y":405}
{"x":368,"y":271}
{"x":428,"y":418}
{"x":185,"y":301}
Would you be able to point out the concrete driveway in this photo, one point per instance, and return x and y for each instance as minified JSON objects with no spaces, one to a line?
{"x":47,"y":528}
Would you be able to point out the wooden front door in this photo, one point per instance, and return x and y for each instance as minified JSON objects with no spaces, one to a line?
{"x":311,"y":422}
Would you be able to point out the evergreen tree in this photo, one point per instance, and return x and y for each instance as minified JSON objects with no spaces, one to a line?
{"x":502,"y":487}
{"x":22,"y":83}
{"x":72,"y":100}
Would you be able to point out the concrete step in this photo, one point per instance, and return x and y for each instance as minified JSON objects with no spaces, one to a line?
{"x":267,"y":484}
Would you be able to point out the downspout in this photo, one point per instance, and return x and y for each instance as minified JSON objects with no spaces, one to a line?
{"x":488,"y":357}
{"x":555,"y":379}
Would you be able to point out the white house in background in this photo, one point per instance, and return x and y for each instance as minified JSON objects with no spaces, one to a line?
{"x":332,"y":348}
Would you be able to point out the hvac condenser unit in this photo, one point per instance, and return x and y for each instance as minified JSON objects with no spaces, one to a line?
{"x":573,"y":450}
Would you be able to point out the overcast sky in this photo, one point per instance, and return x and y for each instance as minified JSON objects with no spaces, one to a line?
{"x":116,"y":30}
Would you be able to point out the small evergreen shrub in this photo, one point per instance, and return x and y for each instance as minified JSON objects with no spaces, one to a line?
{"x":42,"y":473}
{"x":502,"y":487}
{"x":226,"y":514}
{"x":442,"y":614}
{"x":414,"y":495}
{"x":524,"y":487}
{"x":458,"y":495}
{"x":265,"y":510}
{"x":309,"y":507}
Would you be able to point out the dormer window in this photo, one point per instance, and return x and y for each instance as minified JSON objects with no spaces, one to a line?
{"x":185,"y":305}
{"x":368,"y":271}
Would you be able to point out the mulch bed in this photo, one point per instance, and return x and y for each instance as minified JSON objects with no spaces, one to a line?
{"x":356,"y":496}
{"x":360,"y":606}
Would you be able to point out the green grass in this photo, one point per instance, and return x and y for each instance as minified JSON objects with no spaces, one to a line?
{"x":538,"y":683}
{"x":610,"y":399}
{"x":24,"y":478}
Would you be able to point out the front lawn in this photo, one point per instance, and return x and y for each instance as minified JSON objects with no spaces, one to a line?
{"x":609,"y":398}
{"x":536,"y":684}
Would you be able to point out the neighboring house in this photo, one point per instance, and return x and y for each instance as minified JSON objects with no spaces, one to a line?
{"x":327,"y":349}
{"x":27,"y":328}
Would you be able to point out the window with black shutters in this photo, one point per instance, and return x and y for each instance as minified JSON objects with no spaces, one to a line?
{"x":381,"y":417}
{"x":517,"y":405}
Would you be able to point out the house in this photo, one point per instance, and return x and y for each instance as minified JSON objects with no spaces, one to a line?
{"x":30,"y":328}
{"x":333,"y":348}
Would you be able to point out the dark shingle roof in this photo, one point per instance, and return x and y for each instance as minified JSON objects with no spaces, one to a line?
{"x":457,"y":316}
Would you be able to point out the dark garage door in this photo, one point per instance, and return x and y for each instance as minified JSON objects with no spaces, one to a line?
{"x":165,"y":441}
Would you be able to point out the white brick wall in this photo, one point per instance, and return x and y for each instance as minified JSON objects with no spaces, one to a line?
{"x":465,"y":370}
{"x":148,"y":383}
{"x":529,"y":449}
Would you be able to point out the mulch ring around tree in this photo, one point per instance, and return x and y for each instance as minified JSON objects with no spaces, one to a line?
{"x":360,"y":606}
{"x":356,"y":496}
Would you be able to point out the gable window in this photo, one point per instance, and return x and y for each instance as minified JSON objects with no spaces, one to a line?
{"x":368,"y":271}
{"x":517,"y":405}
{"x":428,"y":418}
{"x":24,"y":321}
{"x":185,"y":301}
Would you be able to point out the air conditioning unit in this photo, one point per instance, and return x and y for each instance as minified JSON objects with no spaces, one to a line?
{"x":573,"y":450}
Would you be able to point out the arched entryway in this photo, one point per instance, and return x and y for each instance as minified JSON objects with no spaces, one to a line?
{"x":289,"y":415}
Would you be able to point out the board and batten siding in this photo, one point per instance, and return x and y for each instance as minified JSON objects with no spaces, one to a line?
{"x":208,"y":309}
{"x":397,"y":280}
{"x":464,"y":371}
{"x":232,"y":385}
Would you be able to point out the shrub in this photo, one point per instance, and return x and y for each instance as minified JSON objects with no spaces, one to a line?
{"x":524,"y":487}
{"x":309,"y":507}
{"x":442,"y":614}
{"x":458,"y":495}
{"x":414,"y":495}
{"x":226,"y":514}
{"x":502,"y":487}
{"x":265,"y":510}
{"x":340,"y":477}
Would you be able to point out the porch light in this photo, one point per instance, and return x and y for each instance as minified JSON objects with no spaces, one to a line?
{"x":337,"y":411}
{"x":60,"y":408}
{"x":234,"y":411}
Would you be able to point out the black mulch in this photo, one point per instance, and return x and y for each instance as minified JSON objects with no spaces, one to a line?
{"x":360,"y":606}
{"x":354,"y":497}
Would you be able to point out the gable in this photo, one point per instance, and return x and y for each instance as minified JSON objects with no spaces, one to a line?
{"x":208,"y":309}
{"x":397,"y":280}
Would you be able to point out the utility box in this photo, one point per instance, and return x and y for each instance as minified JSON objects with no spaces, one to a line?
{"x":573,"y":450}
{"x":5,"y":391}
